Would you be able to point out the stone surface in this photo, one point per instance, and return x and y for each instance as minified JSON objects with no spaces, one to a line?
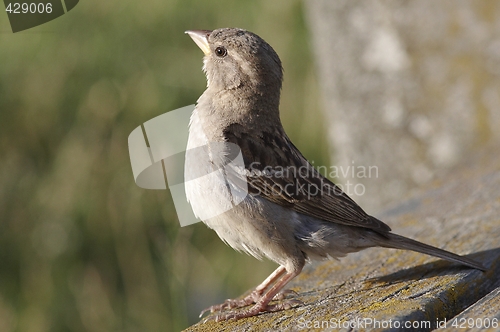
{"x":408,"y":86}
{"x":459,"y":211}
{"x":484,"y":315}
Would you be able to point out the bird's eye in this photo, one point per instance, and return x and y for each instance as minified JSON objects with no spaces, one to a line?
{"x":221,"y":51}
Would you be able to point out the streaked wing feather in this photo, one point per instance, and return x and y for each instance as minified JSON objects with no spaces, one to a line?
{"x":277,"y":171}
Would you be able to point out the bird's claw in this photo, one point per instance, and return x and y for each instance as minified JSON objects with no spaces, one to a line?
{"x":253,"y":311}
{"x":253,"y":297}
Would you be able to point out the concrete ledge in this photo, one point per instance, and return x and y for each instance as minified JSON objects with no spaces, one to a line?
{"x":459,"y":212}
{"x":484,"y":315}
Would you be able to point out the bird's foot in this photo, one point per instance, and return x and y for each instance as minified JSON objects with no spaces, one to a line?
{"x":253,"y":311}
{"x":252,"y":298}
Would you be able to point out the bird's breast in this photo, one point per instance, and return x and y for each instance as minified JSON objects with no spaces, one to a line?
{"x":205,"y":173}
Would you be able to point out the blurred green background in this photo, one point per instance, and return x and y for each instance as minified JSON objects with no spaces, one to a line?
{"x":82,"y":248}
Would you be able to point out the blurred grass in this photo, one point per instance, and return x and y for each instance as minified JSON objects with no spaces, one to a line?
{"x":82,"y":248}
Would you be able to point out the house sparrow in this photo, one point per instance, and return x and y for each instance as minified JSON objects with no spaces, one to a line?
{"x":275,"y":204}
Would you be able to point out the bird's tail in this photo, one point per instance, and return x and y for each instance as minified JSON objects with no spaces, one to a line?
{"x":400,"y":242}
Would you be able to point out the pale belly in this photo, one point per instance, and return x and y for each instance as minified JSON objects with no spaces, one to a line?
{"x":240,"y":220}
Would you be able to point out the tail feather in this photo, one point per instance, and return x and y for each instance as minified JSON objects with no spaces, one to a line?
{"x":400,"y":242}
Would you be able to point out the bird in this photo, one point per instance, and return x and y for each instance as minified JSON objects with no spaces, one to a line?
{"x":274,"y":204}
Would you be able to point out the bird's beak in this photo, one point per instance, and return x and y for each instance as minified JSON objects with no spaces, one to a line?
{"x":200,"y":37}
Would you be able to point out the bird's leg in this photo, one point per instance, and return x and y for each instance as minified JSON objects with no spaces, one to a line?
{"x":251,"y":298}
{"x":257,"y":293}
{"x":262,"y":305}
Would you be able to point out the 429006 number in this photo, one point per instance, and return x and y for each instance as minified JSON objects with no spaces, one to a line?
{"x":477,"y":323}
{"x":32,"y":8}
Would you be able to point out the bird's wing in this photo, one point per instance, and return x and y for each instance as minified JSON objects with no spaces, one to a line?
{"x":277,"y":171}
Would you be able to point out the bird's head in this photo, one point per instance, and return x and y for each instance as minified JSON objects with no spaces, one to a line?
{"x":239,"y":59}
